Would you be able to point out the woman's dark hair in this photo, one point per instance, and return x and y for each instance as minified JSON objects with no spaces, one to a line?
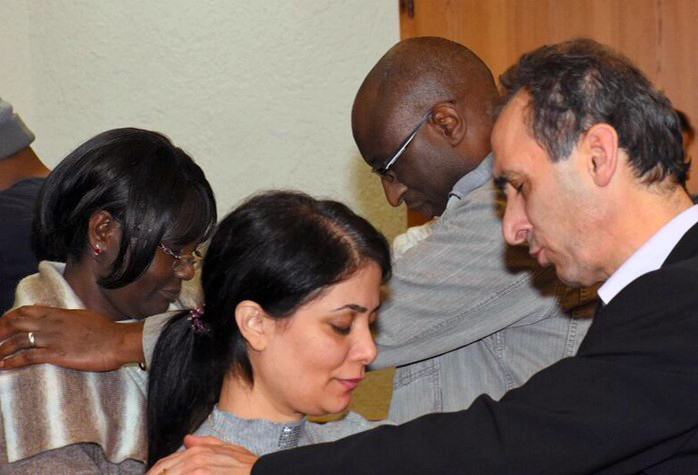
{"x":279,"y":249}
{"x":150,"y":187}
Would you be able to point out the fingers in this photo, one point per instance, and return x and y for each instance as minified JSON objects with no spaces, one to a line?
{"x":20,"y":320}
{"x":183,"y":462}
{"x":23,"y":349}
{"x":163,"y":464}
{"x":27,"y":358}
{"x":206,"y":459}
{"x":17,"y":342}
{"x":78,"y":339}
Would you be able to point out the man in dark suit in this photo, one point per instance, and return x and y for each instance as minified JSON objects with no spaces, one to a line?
{"x":589,"y":155}
{"x":21,"y":177}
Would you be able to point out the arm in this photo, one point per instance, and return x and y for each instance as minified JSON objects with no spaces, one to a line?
{"x":626,"y":401}
{"x":460,"y":284}
{"x":78,"y":339}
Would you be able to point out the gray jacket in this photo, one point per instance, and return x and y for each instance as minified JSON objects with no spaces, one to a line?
{"x":468,"y":314}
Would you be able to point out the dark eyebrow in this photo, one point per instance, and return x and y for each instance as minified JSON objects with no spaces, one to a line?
{"x":352,"y":306}
{"x":500,"y":182}
{"x":357,"y":308}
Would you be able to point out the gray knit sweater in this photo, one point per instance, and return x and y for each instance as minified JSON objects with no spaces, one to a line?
{"x":262,"y":437}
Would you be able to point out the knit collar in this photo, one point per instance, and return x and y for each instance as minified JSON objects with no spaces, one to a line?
{"x":473,"y":180}
{"x":257,"y":435}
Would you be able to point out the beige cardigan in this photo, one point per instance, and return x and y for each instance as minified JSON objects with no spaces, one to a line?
{"x":56,"y":420}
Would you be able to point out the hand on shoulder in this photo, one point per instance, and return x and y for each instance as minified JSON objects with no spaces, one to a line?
{"x":77,"y":339}
{"x":206,"y":456}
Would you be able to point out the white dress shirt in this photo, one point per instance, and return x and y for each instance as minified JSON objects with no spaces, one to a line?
{"x":651,"y":255}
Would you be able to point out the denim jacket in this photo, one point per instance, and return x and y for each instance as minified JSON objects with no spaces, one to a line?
{"x":468,"y":315}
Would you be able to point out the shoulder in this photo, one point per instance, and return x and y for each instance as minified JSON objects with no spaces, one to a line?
{"x":472,"y":222}
{"x":664,"y":288}
{"x":656,"y":310}
{"x":20,"y":198}
{"x":485,"y":202}
{"x":47,"y":287}
{"x":351,"y":423}
{"x":467,"y":239}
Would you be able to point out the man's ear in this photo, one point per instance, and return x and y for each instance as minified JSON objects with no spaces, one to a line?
{"x":449,"y":122}
{"x":103,"y":232}
{"x":601,"y":144}
{"x":253,"y":324}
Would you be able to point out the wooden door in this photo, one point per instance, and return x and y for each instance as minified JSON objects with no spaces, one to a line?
{"x":660,"y":36}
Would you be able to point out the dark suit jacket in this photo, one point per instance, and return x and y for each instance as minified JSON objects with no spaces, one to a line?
{"x":627,"y":403}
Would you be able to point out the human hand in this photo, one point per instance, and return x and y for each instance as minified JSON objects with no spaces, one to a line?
{"x":78,"y":339}
{"x":206,"y":456}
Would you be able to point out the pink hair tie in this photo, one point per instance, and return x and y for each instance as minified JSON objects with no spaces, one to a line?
{"x":197,"y":323}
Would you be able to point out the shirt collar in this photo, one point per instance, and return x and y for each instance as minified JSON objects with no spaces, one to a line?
{"x":651,"y":255}
{"x":258,"y":435}
{"x":471,"y":181}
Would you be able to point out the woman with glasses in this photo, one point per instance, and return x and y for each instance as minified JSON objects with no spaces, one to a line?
{"x":117,"y":226}
{"x":291,"y":286}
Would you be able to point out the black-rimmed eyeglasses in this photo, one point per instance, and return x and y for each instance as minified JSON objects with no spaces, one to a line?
{"x":383,"y":169}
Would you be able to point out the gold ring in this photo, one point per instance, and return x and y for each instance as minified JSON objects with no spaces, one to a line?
{"x":32,"y":339}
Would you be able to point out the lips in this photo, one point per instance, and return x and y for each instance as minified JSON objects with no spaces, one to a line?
{"x":414,"y":206}
{"x":350,"y":384}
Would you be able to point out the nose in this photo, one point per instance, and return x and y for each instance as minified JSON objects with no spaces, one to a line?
{"x":364,"y":348}
{"x":394,"y":191}
{"x":515,"y":224}
{"x":184,"y":270}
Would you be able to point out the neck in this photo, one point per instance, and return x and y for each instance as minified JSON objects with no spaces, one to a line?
{"x":82,"y":279}
{"x":641,"y":218}
{"x":251,"y":401}
{"x":20,"y":166}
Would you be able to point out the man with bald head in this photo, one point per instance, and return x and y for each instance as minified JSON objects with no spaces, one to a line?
{"x":466,"y":315}
{"x":443,"y":92}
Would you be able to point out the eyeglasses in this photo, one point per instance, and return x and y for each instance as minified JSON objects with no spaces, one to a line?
{"x":382,"y":170}
{"x":193,"y":260}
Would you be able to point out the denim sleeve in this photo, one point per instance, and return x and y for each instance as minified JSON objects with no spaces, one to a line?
{"x":460,"y":284}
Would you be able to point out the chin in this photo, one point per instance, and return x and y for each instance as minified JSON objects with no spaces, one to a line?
{"x":572,"y":279}
{"x":149,"y":312}
{"x":426,"y":211}
{"x":337,"y":407}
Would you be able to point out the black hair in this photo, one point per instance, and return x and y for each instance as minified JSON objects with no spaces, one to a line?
{"x":685,"y":123}
{"x":151,"y":188}
{"x":579,"y":83}
{"x":279,"y":249}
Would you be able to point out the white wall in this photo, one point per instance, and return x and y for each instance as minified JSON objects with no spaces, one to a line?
{"x":258,"y":91}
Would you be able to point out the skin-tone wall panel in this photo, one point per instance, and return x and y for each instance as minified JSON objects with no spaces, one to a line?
{"x":677,"y":71}
{"x":660,"y":36}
